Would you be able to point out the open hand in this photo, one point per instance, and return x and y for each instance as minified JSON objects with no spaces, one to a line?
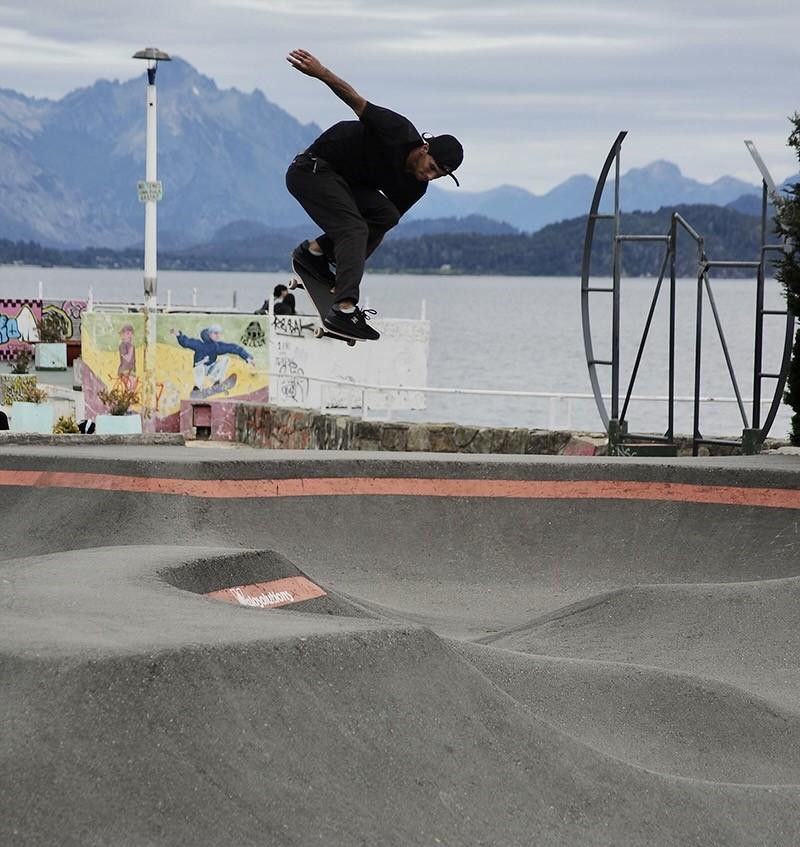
{"x":306,"y":63}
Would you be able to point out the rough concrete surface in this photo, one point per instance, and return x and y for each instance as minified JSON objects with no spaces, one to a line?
{"x":509,"y":650}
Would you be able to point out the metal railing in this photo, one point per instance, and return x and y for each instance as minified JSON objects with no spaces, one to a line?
{"x":557,"y":401}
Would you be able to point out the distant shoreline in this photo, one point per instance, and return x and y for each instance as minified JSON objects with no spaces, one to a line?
{"x":554,"y":251}
{"x":244,"y":269}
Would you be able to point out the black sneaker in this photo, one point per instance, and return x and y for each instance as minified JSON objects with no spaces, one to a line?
{"x":317,"y":265}
{"x":352,"y":324}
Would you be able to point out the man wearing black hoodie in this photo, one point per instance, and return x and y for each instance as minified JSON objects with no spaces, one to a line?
{"x":355,"y":182}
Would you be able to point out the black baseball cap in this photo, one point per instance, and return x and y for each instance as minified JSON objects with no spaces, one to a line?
{"x":447,"y":152}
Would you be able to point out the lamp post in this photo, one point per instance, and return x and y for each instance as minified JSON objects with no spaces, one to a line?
{"x":150,"y":192}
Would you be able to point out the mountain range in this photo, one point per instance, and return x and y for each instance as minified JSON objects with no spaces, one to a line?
{"x":69,"y":167}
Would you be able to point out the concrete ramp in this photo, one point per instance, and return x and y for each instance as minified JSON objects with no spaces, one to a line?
{"x":355,"y":649}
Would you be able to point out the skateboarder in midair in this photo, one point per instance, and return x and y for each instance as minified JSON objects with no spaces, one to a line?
{"x":355,"y":182}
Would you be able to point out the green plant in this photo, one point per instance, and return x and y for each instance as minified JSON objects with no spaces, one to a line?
{"x":65,"y":425}
{"x":118,"y":400}
{"x":788,"y":273}
{"x":23,"y":359}
{"x":51,"y":328}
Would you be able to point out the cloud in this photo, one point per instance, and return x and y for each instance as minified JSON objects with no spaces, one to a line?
{"x":434,"y":41}
{"x":536,"y":90}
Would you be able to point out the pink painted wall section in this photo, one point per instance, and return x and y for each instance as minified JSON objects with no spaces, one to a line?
{"x":222,"y":415}
{"x":270,"y":595}
{"x":578,"y":446}
{"x":223,"y":419}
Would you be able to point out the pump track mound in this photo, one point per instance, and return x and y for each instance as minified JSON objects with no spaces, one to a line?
{"x":243,"y":647}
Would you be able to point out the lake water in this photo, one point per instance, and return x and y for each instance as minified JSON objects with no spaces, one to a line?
{"x":511,"y":333}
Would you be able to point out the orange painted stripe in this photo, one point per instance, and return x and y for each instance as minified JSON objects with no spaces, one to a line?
{"x":270,"y":595}
{"x":778,"y":498}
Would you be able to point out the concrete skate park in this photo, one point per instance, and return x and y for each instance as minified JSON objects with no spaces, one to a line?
{"x":492,"y":650}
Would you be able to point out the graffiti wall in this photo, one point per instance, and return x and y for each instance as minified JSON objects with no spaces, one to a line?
{"x":70,"y":313}
{"x":399,"y":358}
{"x":19,"y":319}
{"x":197,"y":357}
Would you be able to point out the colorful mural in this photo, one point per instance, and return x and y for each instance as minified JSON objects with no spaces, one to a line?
{"x":19,"y":319}
{"x":197,"y":357}
{"x":70,"y":312}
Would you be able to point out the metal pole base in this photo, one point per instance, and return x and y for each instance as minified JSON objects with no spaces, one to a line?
{"x":617,"y":429}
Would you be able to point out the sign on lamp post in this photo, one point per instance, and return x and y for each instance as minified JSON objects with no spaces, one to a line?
{"x":150,"y":191}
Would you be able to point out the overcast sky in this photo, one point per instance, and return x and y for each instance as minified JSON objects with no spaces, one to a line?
{"x":535,"y":90}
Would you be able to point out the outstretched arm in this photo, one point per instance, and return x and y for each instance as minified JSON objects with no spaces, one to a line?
{"x":225,"y":347}
{"x":311,"y":66}
{"x":185,"y":341}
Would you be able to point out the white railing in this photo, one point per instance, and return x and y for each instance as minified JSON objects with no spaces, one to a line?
{"x":559,"y":403}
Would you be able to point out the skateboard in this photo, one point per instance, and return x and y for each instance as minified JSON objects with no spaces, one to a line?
{"x":217,"y":388}
{"x":321,"y":295}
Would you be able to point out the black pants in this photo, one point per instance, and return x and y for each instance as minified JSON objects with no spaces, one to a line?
{"x":353,"y":219}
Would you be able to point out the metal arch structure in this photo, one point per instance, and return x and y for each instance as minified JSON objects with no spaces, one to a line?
{"x":622,"y":442}
{"x":586,"y":289}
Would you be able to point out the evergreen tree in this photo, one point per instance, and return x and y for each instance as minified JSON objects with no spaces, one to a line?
{"x":789,"y":274}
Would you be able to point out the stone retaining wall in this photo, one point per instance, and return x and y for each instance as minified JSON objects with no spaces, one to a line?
{"x":276,"y":427}
{"x":262,"y":425}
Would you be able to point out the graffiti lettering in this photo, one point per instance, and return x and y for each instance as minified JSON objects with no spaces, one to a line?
{"x":18,"y":319}
{"x":291,"y":384}
{"x":286,"y":365}
{"x":291,"y":325}
{"x":261,"y":601}
{"x":74,"y":308}
{"x":9,"y":331}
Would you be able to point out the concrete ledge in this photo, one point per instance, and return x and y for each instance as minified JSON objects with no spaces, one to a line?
{"x":81,"y":440}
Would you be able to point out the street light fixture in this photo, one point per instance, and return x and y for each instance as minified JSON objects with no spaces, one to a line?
{"x":150,"y":192}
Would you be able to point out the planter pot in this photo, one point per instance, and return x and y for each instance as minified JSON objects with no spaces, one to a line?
{"x":32,"y":417}
{"x":118,"y":424}
{"x":51,"y":357}
{"x":11,"y":386}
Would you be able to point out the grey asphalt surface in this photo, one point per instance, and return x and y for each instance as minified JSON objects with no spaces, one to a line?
{"x":483,"y":670}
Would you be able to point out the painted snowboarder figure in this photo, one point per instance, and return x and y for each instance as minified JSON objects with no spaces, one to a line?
{"x":210,"y":363}
{"x":355,"y":182}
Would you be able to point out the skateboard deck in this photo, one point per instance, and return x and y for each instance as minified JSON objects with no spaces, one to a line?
{"x":322,"y":297}
{"x":217,"y":388}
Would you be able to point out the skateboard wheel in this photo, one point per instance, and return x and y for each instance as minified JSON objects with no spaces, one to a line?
{"x":292,"y":284}
{"x":351,"y":343}
{"x":319,"y":332}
